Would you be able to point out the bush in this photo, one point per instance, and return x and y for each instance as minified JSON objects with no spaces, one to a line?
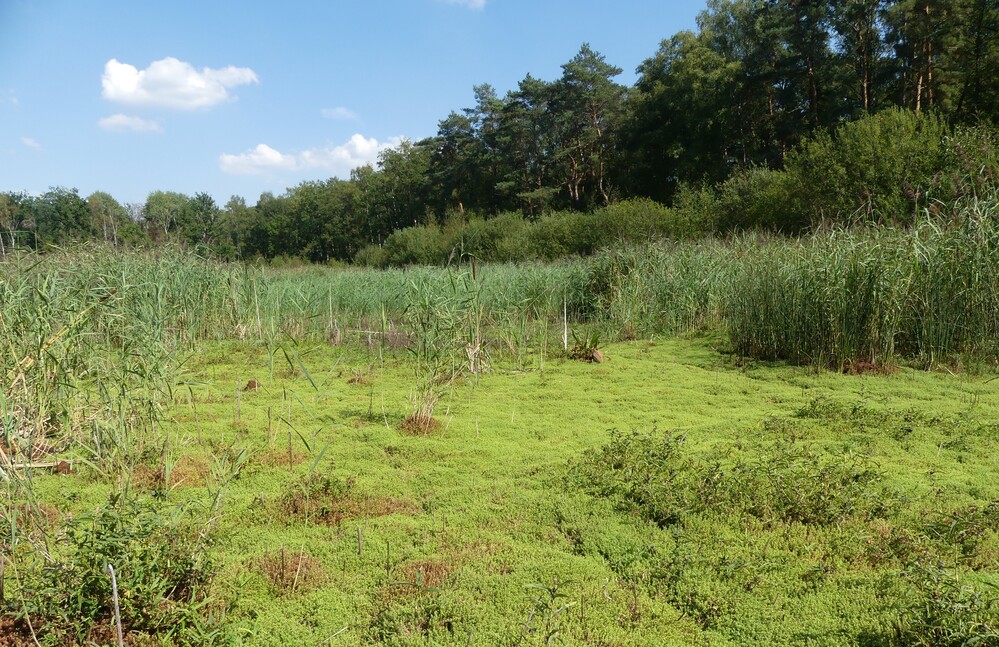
{"x":162,"y":567}
{"x":874,"y":169}
{"x":371,"y":256}
{"x":697,"y":211}
{"x":946,"y":611}
{"x":420,"y":245}
{"x":759,"y":198}
{"x":654,"y":476}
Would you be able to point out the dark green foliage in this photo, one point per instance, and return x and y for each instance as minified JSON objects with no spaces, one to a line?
{"x":509,"y":237}
{"x":876,"y":169}
{"x":948,"y":610}
{"x":422,"y":245}
{"x":657,"y":478}
{"x":163,"y":572}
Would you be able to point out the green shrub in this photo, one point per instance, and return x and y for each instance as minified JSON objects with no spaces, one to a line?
{"x":655,"y":476}
{"x":161,"y":562}
{"x":759,"y":198}
{"x":947,"y":612}
{"x":698,"y":211}
{"x":373,"y":256}
{"x":421,"y":245}
{"x":878,"y":168}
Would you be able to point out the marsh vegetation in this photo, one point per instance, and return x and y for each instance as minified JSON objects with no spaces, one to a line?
{"x":786,"y":440}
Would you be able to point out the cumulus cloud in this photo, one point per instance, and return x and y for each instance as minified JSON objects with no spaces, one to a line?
{"x":478,"y":5}
{"x":31,"y":143}
{"x":256,"y":161}
{"x":336,"y":160}
{"x":339,"y":113}
{"x":172,"y":83}
{"x":123,"y":123}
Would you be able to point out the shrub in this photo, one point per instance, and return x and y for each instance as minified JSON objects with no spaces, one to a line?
{"x":945,"y":611}
{"x":162,"y":566}
{"x":421,"y":245}
{"x":652,"y":475}
{"x":875,"y":169}
{"x":759,"y":198}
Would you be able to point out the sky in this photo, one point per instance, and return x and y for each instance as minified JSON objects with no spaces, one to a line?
{"x":240,"y":98}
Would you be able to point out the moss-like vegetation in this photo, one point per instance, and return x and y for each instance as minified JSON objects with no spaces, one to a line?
{"x":668,"y":495}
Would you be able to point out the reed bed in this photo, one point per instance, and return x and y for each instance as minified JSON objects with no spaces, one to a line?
{"x":93,"y":339}
{"x":873,"y":297}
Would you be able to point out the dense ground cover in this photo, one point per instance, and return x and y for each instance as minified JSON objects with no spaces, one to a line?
{"x":670,"y":495}
{"x":416,"y":456}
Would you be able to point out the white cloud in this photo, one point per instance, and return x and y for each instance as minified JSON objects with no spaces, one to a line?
{"x":339,"y":113}
{"x":261,"y":159}
{"x":336,"y":160}
{"x":171,"y":83}
{"x":123,"y":123}
{"x":478,"y":5}
{"x":31,"y":143}
{"x":8,"y":97}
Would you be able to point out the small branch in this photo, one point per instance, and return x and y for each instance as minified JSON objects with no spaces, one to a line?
{"x":117,"y":607}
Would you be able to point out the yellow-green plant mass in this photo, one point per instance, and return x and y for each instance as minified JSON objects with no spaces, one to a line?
{"x":251,"y":482}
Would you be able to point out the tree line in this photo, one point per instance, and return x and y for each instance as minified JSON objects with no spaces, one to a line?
{"x":756,"y":84}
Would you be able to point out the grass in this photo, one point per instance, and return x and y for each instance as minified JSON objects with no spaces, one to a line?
{"x":418,"y":457}
{"x":508,"y":527}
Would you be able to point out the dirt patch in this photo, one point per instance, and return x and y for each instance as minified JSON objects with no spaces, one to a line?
{"x":188,"y":471}
{"x":280,"y":458}
{"x":420,"y":425}
{"x":15,"y":632}
{"x":290,"y":571}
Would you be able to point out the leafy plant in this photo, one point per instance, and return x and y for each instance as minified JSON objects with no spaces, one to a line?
{"x":549,"y":607}
{"x":163,"y":566}
{"x":586,"y":347}
{"x":946,"y":611}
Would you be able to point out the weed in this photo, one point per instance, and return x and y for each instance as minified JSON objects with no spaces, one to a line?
{"x":163,"y":568}
{"x":550,"y":603}
{"x":586,"y":347}
{"x":946,"y":611}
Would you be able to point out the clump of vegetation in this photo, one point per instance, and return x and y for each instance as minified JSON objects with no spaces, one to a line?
{"x":654,"y":475}
{"x":327,"y":499}
{"x":794,"y":483}
{"x":161,"y":584}
{"x":585,"y":347}
{"x":945,"y":610}
{"x":319,"y":498}
{"x":446,"y":323}
{"x":649,"y":473}
{"x":290,"y":571}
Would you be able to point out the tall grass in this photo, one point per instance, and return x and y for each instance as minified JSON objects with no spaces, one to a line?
{"x":92,"y":340}
{"x":929,"y":294}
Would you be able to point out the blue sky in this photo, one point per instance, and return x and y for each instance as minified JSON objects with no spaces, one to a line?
{"x":238,"y":98}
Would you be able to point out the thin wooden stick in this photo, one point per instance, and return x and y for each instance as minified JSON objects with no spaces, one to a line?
{"x":117,"y":607}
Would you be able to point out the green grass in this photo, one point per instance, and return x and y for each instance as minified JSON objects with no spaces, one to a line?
{"x":504,"y":527}
{"x":242,"y":454}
